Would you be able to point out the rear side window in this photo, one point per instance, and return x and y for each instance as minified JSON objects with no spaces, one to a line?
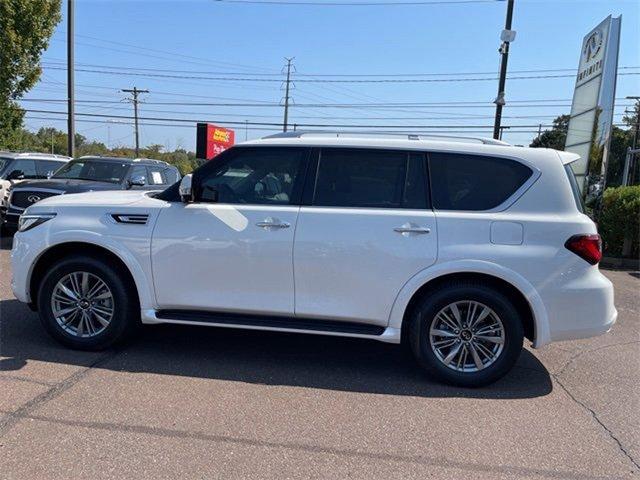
{"x":577,"y":196}
{"x":473,"y":182}
{"x":370,"y":179}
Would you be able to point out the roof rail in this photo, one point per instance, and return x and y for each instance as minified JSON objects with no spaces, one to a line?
{"x":33,"y":154}
{"x":153,"y":160}
{"x":408,"y":136}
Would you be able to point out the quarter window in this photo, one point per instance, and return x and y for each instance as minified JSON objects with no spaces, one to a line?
{"x":473,"y":182}
{"x":261,"y":176}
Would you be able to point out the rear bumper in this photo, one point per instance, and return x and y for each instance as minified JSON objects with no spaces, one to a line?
{"x":580,"y":308}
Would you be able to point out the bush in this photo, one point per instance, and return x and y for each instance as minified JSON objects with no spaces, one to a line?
{"x":620,"y":219}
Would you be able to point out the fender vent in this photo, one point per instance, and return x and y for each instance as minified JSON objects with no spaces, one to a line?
{"x":134,"y":219}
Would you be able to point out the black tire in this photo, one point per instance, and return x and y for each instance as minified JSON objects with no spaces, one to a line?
{"x":424,"y":315}
{"x":126,"y":313}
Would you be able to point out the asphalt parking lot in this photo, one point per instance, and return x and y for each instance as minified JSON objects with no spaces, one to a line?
{"x":207,"y":403}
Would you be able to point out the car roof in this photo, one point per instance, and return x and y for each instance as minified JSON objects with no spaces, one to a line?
{"x":436,"y":142}
{"x":35,"y":156}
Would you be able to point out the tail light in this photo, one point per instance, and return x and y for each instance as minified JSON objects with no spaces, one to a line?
{"x":587,"y":247}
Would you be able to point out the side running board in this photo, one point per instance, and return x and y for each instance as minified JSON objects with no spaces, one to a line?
{"x":251,"y":320}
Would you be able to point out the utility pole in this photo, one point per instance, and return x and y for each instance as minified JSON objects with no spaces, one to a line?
{"x":636,"y":132}
{"x":507,"y":37}
{"x":71,"y":128}
{"x":135,"y":92}
{"x":286,"y":95}
{"x":246,"y":130}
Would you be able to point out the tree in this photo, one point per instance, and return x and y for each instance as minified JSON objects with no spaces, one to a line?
{"x":555,"y":137}
{"x":25,"y":29}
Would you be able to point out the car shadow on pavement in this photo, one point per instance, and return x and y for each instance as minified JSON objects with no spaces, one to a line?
{"x":269,"y":358}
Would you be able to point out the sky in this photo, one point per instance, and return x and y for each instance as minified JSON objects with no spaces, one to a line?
{"x":236,"y":51}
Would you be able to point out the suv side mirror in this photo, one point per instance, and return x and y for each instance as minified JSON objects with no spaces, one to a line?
{"x":185,"y":189}
{"x":137,"y":181}
{"x":16,"y":175}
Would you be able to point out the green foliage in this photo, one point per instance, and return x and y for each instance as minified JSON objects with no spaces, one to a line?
{"x":620,"y":219}
{"x":25,"y":29}
{"x":555,"y":137}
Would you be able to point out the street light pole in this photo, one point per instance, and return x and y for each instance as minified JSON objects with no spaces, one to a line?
{"x":507,"y":37}
{"x":71,"y":128}
{"x":634,"y":149}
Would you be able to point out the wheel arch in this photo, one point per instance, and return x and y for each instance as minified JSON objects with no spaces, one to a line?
{"x":61,"y":250}
{"x":524,"y":296}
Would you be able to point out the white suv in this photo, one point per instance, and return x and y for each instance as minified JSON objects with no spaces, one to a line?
{"x":459,"y":249}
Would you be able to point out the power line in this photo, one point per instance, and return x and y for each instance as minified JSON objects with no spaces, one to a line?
{"x":327,"y":105}
{"x":299,"y":74}
{"x":309,"y":125}
{"x":359,"y":4}
{"x":308,"y":80}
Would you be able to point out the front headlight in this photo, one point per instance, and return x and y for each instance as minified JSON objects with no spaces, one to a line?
{"x":32,"y":220}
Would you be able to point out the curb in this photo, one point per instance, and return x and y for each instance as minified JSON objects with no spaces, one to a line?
{"x":621,"y":263}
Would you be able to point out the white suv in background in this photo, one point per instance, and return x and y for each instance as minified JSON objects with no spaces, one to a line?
{"x":16,"y":167}
{"x":459,"y":248}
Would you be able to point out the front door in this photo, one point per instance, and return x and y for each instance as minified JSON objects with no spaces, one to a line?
{"x":368,"y":230}
{"x":232,"y":248}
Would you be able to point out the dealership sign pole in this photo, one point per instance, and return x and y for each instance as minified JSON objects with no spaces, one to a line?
{"x":590,"y":125}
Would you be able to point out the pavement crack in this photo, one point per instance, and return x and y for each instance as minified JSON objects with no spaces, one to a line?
{"x":600,"y":422}
{"x":590,"y":350}
{"x":26,"y":380}
{"x":56,"y":390}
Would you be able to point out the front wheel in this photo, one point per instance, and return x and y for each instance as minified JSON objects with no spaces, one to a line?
{"x":87,"y":304}
{"x":466,"y":334}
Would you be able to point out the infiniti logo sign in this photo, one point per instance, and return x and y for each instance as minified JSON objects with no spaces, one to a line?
{"x":34,"y":198}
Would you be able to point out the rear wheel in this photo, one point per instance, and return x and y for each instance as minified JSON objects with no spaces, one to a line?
{"x":466,"y":334}
{"x":85,"y":303}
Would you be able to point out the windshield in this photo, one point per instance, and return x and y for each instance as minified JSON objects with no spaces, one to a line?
{"x":90,"y":169}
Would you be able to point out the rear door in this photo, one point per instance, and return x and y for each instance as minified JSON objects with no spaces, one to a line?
{"x":367,"y":229}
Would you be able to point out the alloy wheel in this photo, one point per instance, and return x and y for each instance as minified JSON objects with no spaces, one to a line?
{"x":82,"y":304}
{"x":467,"y":336}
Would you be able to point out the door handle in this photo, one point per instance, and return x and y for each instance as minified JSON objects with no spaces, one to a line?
{"x":272,"y":223}
{"x":412,"y":229}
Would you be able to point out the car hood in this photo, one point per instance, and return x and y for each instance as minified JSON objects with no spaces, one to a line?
{"x":98,"y":199}
{"x":69,"y":186}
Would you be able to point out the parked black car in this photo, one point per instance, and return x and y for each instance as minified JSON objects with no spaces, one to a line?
{"x":86,"y":174}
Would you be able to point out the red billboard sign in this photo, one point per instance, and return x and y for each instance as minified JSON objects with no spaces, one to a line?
{"x":212,"y":140}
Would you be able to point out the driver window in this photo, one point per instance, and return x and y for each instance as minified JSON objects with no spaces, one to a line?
{"x":264,"y":176}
